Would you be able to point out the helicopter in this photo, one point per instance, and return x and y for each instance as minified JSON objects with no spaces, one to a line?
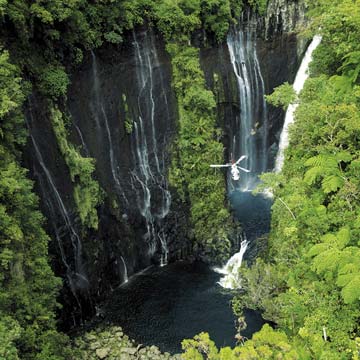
{"x":235,"y":168}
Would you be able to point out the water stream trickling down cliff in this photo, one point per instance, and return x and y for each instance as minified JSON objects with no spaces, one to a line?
{"x":145,"y":144}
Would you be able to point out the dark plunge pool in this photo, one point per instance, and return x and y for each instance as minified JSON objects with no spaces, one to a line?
{"x":164,"y":305}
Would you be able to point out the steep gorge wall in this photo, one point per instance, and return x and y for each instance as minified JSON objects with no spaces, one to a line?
{"x":122,"y":112}
{"x":279,"y":49}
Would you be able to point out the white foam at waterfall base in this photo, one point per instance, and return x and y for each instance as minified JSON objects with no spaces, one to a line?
{"x":298,"y":85}
{"x":231,"y":278}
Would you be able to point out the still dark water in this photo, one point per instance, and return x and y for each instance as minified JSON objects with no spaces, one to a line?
{"x":253,"y":212}
{"x":163,"y":306}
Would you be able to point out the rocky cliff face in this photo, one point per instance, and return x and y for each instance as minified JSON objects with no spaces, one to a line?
{"x":271,"y":56}
{"x":122,"y":112}
{"x":283,"y":17}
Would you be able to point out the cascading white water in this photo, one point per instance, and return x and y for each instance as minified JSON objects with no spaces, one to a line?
{"x":126,"y":278}
{"x":149,"y":176}
{"x":147,"y":179}
{"x":250,"y":132}
{"x":75,"y":270}
{"x":299,"y":82}
{"x":231,"y":279}
{"x":58,"y":237}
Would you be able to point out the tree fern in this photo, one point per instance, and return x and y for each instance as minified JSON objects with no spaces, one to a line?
{"x":329,"y":254}
{"x":326,"y":166}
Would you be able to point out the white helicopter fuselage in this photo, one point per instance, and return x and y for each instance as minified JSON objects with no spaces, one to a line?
{"x":235,"y":173}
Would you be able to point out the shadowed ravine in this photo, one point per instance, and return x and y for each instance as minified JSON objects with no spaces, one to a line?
{"x":164,"y":305}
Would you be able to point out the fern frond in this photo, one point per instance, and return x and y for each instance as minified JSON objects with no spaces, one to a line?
{"x":312,"y":174}
{"x":317,"y":249}
{"x":326,"y":261}
{"x":351,"y":292}
{"x":322,"y":160}
{"x":343,"y":237}
{"x":331,"y":183}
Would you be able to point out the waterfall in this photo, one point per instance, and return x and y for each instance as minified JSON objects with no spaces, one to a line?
{"x":126,"y":278}
{"x":250,"y":130}
{"x":148,"y":177}
{"x":300,"y":79}
{"x":249,"y":135}
{"x":231,"y":279}
{"x":75,"y":269}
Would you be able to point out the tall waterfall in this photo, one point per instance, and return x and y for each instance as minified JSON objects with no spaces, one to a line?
{"x":299,"y":82}
{"x":149,"y":180}
{"x":231,"y":269}
{"x":72,"y":261}
{"x":250,"y":133}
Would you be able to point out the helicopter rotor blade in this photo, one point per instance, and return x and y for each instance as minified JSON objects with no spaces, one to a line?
{"x":241,"y":159}
{"x":218,"y":166}
{"x":243,"y":169}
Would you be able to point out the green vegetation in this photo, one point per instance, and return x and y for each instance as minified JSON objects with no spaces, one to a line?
{"x":87,"y":193}
{"x":283,"y":95}
{"x":112,"y":344}
{"x":199,"y":139}
{"x":28,"y":287}
{"x":180,"y":18}
{"x":309,"y":281}
{"x":54,"y":82}
{"x":128,"y":123}
{"x":197,"y":146}
{"x":265,"y":344}
{"x":259,"y":5}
